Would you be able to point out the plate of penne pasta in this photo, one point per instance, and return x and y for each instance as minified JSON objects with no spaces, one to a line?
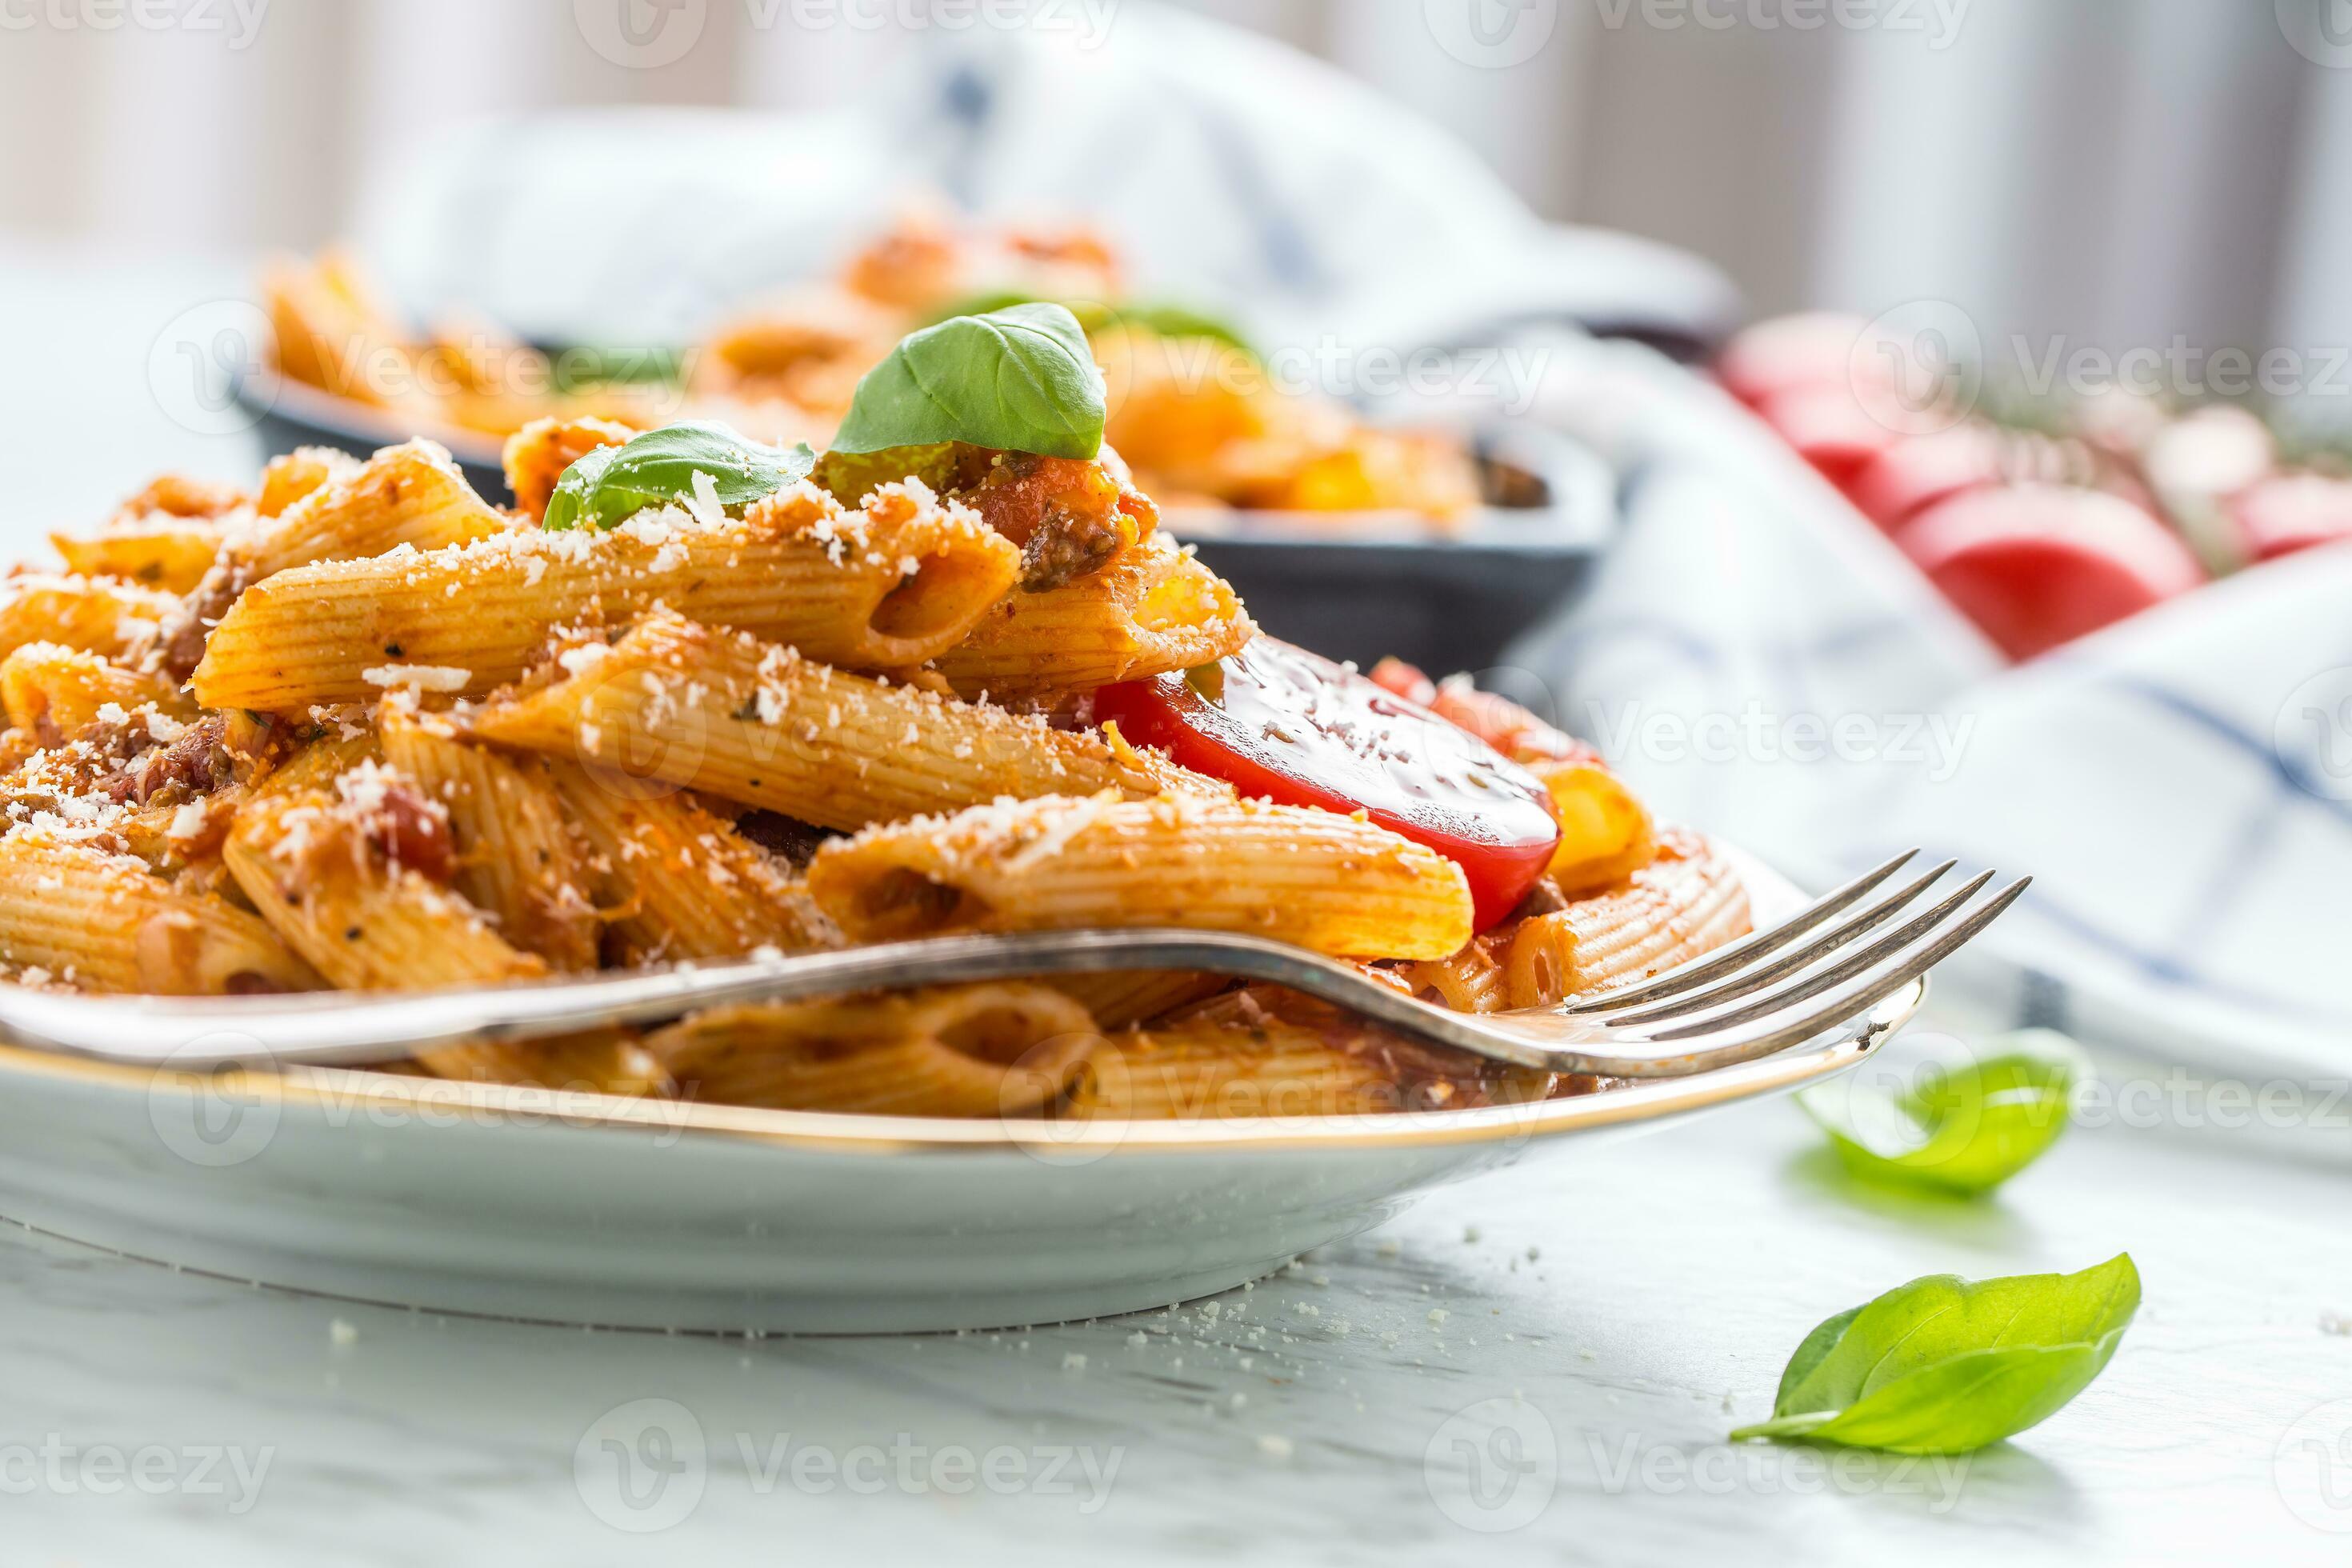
{"x":694,"y":698}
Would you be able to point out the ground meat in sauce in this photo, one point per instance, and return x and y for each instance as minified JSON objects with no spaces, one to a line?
{"x":198,"y":762}
{"x":1065,"y":549}
{"x":1069,"y":517}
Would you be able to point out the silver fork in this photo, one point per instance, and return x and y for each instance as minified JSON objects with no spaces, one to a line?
{"x":1828,"y":963}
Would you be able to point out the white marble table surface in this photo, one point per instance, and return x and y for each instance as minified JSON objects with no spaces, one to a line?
{"x":1616,"y":1313}
{"x":1606,"y":1319}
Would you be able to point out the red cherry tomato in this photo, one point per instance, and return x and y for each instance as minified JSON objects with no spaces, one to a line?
{"x":2293,"y":511}
{"x":1830,"y":428}
{"x":1788,"y":352}
{"x":2038,"y":565}
{"x":1907,"y":480}
{"x":1283,"y":724}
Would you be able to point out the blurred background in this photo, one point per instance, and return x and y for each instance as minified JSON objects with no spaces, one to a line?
{"x":2120,"y":171}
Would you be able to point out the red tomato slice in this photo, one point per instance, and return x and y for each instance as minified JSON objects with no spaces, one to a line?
{"x":1283,"y":724}
{"x":2038,"y":565}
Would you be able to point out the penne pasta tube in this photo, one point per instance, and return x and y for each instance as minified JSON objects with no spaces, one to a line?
{"x":881,"y":588}
{"x":348,"y":878}
{"x":54,"y":692}
{"x":410,"y":494}
{"x":95,"y":615}
{"x":1211,"y":1072}
{"x":969,"y":1050}
{"x":1333,"y":884}
{"x":1153,"y":609}
{"x":536,"y":456}
{"x":676,"y":702}
{"x":288,"y":479}
{"x":1120,"y":997}
{"x":1687,"y":902}
{"x":74,"y":911}
{"x":1471,"y":981}
{"x":516,"y":858}
{"x":680,"y":882}
{"x":159,"y":551}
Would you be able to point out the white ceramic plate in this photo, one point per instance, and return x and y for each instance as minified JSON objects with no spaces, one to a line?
{"x":579,"y":1208}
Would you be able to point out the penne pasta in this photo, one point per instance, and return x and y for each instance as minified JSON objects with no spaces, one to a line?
{"x":1153,"y":609}
{"x":159,"y":551}
{"x":1470,"y":980}
{"x":516,"y":858}
{"x":410,"y":494}
{"x":679,"y":703}
{"x":1120,"y":997}
{"x":54,"y":692}
{"x":536,"y":456}
{"x":967,"y":1051}
{"x":347,"y":878}
{"x":1686,"y":903}
{"x":74,"y":911}
{"x":1330,"y":883}
{"x":288,"y":479}
{"x":103,"y":615}
{"x":679,"y":882}
{"x":881,"y":588}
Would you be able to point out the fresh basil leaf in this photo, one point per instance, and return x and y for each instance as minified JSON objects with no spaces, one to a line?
{"x":1962,"y":1129}
{"x":611,"y":484}
{"x":851,"y":477}
{"x":1018,"y":380}
{"x":1944,"y":1366}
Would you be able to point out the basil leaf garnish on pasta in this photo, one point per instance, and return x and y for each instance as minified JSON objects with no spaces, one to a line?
{"x":1020,"y":379}
{"x":1944,"y":1366}
{"x":1961,"y":1129}
{"x":608,"y":486}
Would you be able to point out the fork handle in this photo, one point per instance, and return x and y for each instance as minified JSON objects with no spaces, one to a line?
{"x":359,"y":1028}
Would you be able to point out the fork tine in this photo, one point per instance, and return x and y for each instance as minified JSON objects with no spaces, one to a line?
{"x":1840,"y":937}
{"x":1703,"y":1051}
{"x":1859,"y":962}
{"x":1736,"y":955}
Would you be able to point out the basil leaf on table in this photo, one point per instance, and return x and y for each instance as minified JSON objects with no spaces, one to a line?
{"x":1965,"y":1129}
{"x":1020,"y":379}
{"x":1944,"y":1366}
{"x":609,"y":485}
